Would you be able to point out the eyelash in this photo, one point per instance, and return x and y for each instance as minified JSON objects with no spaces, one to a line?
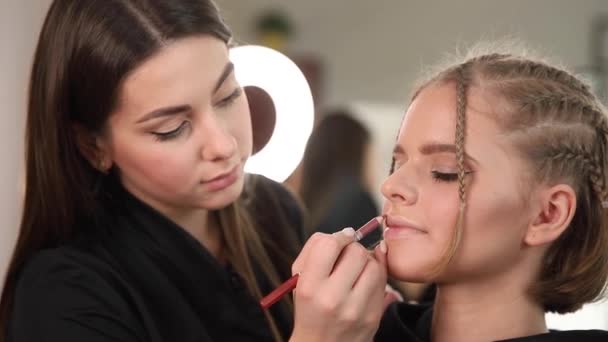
{"x":164,"y":136}
{"x":227,"y":101}
{"x":444,"y":177}
{"x":447,"y":177}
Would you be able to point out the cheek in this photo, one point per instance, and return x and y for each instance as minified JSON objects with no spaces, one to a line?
{"x":414,"y":259}
{"x":494,"y":228}
{"x":157,"y":162}
{"x":498,"y":216}
{"x":441,"y":207}
{"x":238,"y":121}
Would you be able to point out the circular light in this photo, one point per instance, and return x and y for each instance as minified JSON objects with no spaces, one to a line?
{"x":281,"y":78}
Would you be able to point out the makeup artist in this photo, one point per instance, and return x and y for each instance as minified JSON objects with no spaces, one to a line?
{"x":139,"y":223}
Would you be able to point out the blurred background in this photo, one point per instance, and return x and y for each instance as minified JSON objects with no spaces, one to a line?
{"x":358,"y":55}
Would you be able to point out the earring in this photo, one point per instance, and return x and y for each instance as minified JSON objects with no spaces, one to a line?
{"x":103,"y":167}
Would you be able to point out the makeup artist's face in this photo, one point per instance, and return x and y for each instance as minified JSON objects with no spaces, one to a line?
{"x":422,"y":194}
{"x":182,"y":130}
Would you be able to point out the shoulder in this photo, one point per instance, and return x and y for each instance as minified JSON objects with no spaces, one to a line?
{"x":52,"y":268}
{"x":65,"y":294}
{"x":565,"y":336}
{"x":61,"y":263}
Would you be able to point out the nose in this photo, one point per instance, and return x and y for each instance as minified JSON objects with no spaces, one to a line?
{"x":397,"y":189}
{"x":217,"y":141}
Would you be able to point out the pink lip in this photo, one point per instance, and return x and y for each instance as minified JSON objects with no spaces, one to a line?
{"x":400,"y":227}
{"x":222,"y":181}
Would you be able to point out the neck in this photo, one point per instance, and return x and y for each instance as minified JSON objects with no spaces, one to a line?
{"x":203,"y":226}
{"x":491,"y":310}
{"x":197,"y":222}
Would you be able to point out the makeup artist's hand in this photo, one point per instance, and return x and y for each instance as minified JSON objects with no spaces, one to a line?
{"x":340,"y":293}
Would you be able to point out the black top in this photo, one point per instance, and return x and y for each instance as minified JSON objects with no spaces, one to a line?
{"x":146,"y":279}
{"x":412,"y":323}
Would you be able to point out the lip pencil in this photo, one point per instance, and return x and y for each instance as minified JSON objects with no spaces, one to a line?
{"x":291,"y":283}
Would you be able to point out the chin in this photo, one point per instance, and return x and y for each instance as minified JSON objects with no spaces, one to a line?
{"x":410,"y":270}
{"x":224,"y":197}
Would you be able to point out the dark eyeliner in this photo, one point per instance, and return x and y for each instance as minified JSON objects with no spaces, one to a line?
{"x":446,"y":177}
{"x":163,"y":136}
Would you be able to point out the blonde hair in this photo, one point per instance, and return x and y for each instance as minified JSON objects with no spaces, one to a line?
{"x":559,"y":127}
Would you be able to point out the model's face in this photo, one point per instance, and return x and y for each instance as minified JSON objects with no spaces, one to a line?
{"x":182,"y":132}
{"x":422,"y":201}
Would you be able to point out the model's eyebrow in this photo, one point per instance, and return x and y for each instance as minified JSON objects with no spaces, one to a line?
{"x":398,"y":150}
{"x":433,"y":148}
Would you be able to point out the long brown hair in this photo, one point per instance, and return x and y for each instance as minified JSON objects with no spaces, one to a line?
{"x":560,"y":129}
{"x":85,"y":51}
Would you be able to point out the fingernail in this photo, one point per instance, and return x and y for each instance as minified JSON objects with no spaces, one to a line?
{"x":383,"y":247}
{"x":348,"y":232}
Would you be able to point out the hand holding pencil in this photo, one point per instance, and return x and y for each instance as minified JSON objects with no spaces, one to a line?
{"x":340,"y":287}
{"x":291,"y":283}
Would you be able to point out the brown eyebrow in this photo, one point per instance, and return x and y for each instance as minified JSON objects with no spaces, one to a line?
{"x":432,"y":148}
{"x":398,"y":150}
{"x":228,"y":69}
{"x":168,"y":111}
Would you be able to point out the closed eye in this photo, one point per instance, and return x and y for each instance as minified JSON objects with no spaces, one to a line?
{"x":446,"y":176}
{"x":228,"y":100}
{"x":163,"y":136}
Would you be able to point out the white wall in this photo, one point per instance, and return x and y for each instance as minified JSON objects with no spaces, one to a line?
{"x":374,"y":49}
{"x":20,"y":22}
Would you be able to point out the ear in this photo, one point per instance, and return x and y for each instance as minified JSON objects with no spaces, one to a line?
{"x":553,"y":216}
{"x":93,"y":147}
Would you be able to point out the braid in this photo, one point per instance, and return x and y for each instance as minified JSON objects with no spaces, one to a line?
{"x":539,"y":89}
{"x":598,"y":172}
{"x":462,"y":81}
{"x":573,"y":108}
{"x":566,"y":154}
{"x":564,"y":107}
{"x":507,"y":66}
{"x":461,"y":89}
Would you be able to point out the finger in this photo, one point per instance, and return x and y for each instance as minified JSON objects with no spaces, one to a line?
{"x":348,"y":268}
{"x":297,"y":265}
{"x":388,"y":299}
{"x":321,"y":259}
{"x":388,"y":289}
{"x":368,"y":290}
{"x":391,"y":295}
{"x":380,"y":253}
